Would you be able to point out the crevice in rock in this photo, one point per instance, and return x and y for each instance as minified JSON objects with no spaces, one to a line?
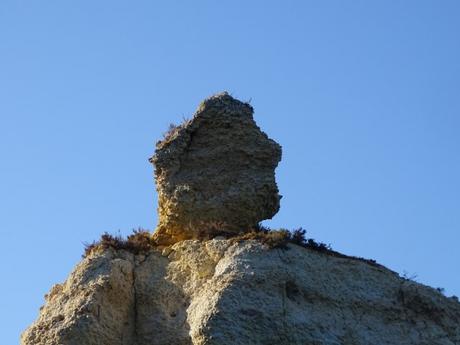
{"x":135,"y":310}
{"x":135,"y":317}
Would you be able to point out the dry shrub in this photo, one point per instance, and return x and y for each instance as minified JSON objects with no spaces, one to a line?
{"x":140,"y":241}
{"x":280,"y":239}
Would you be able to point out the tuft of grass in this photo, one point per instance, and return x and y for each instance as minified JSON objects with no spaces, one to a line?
{"x":140,"y":241}
{"x":173,"y":129}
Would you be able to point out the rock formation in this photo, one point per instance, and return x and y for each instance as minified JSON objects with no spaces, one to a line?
{"x":221,"y":292}
{"x":215,"y":173}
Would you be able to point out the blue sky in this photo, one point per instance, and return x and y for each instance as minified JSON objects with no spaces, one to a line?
{"x":363,"y":96}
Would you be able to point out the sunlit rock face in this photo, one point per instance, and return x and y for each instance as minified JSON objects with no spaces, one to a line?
{"x":222,"y":292}
{"x":215,"y":173}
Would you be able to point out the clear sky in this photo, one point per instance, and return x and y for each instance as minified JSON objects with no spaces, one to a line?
{"x":364,"y":97}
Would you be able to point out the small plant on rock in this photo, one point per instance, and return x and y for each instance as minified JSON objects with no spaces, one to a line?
{"x":138,"y":242}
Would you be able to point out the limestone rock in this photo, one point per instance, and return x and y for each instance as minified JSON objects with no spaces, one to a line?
{"x":86,"y":309}
{"x":220,"y":292}
{"x":215,"y":173}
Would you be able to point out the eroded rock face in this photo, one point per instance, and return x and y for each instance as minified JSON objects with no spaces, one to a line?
{"x":96,"y":305}
{"x":215,"y":173}
{"x":219,"y":292}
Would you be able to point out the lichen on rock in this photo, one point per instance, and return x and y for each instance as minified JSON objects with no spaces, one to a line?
{"x":215,"y":173}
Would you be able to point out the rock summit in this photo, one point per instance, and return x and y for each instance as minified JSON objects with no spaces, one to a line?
{"x":215,"y":173}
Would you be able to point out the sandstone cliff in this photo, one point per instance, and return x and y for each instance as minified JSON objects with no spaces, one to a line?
{"x":225,"y":292}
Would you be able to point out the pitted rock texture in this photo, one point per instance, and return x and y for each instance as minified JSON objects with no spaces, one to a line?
{"x":220,"y":292}
{"x":94,"y":306}
{"x":215,"y":173}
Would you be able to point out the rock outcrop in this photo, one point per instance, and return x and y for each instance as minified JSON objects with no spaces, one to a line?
{"x":223,"y":292}
{"x":215,"y":176}
{"x":215,"y":173}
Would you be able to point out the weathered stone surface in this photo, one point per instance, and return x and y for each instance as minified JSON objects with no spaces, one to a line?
{"x":215,"y":172}
{"x":94,"y":306}
{"x":219,"y":292}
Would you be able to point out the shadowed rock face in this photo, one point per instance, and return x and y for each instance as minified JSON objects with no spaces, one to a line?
{"x":215,"y":173}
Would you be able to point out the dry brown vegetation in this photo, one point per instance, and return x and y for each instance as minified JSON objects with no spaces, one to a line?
{"x":280,"y":238}
{"x":140,"y":241}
